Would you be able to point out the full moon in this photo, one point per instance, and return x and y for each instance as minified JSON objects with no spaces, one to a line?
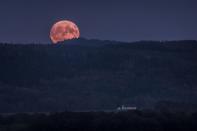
{"x":64,"y":30}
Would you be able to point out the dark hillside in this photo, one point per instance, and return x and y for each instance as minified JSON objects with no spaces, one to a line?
{"x":96,"y":75}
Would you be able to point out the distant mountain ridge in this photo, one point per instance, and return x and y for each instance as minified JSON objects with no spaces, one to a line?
{"x":96,"y":75}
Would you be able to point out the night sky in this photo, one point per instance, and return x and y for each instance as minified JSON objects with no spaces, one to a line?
{"x":29,"y":21}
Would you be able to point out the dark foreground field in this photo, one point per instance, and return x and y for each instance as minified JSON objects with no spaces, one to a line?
{"x":100,"y":121}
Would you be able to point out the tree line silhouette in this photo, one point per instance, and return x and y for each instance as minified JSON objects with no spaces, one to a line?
{"x":100,"y":121}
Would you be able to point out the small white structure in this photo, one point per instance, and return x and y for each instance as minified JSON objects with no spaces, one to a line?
{"x":124,"y":108}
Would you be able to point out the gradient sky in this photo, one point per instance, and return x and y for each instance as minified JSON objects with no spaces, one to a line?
{"x":122,"y":20}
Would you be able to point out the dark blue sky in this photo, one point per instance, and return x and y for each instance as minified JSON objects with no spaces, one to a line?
{"x":122,"y":20}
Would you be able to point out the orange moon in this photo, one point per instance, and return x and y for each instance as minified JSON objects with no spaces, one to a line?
{"x":64,"y":30}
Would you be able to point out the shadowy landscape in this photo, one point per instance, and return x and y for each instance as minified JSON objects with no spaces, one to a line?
{"x":98,"y":65}
{"x":101,"y":121}
{"x":93,"y":75}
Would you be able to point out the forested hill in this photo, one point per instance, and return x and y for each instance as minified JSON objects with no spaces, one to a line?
{"x":96,"y":75}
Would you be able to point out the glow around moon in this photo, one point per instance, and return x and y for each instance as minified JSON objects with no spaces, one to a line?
{"x":64,"y":30}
